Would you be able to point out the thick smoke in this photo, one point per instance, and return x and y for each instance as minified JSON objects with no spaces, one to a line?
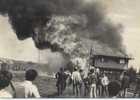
{"x":26,"y":15}
{"x":53,"y":60}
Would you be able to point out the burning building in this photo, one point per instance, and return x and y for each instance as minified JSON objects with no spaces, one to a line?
{"x":109,"y":60}
{"x":59,"y":25}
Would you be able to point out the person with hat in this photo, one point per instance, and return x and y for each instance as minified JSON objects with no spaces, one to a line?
{"x":137,"y":86}
{"x":76,"y":78}
{"x":93,"y":81}
{"x":5,"y":80}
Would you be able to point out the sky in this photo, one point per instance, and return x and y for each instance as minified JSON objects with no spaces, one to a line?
{"x":11,"y":47}
{"x":126,"y":12}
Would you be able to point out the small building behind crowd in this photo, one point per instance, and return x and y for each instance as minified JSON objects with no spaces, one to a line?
{"x":109,"y":60}
{"x":112,"y":66}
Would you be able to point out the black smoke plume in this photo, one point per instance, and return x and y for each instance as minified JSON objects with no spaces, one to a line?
{"x":25,"y":15}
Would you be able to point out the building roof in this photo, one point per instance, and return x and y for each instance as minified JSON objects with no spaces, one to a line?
{"x":105,"y":50}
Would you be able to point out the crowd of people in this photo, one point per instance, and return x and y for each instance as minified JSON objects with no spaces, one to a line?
{"x":95,"y":84}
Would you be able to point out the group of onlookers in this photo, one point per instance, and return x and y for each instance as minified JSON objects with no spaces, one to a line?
{"x":94,"y":84}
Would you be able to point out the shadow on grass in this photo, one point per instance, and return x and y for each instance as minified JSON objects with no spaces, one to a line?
{"x":54,"y":95}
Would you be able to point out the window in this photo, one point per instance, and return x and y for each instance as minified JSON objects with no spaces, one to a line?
{"x":122,"y":61}
{"x":103,"y":59}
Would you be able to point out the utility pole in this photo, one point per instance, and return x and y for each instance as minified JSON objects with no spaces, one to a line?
{"x":90,"y":56}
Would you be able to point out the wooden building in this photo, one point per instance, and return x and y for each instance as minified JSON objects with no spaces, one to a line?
{"x":109,"y":60}
{"x":112,"y":66}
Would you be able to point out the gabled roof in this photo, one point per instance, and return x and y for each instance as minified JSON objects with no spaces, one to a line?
{"x":104,"y":50}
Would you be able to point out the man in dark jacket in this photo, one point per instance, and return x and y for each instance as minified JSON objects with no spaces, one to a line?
{"x":125,"y":83}
{"x":61,"y":80}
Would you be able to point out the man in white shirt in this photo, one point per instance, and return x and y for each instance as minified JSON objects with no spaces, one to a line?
{"x":27,"y":89}
{"x":76,"y":77}
{"x":104,"y":81}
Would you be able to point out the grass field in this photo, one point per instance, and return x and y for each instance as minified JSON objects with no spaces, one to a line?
{"x":47,"y":88}
{"x":45,"y":85}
